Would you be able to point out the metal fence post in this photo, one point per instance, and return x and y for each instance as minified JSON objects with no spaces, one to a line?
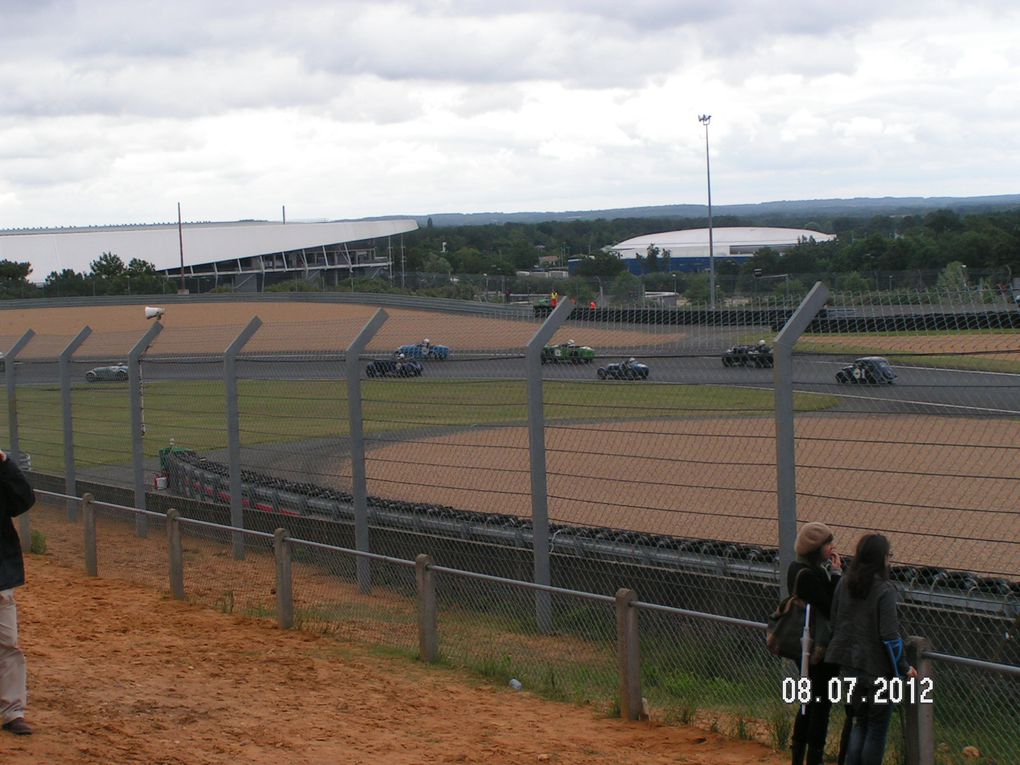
{"x":88,"y":514}
{"x":138,"y":424}
{"x":234,"y":433}
{"x":359,"y":489}
{"x":10,"y":377}
{"x":70,"y":473}
{"x":536,"y":449}
{"x":786,"y":470}
{"x":628,"y":656}
{"x":284,"y":579}
{"x":428,"y":637}
{"x":919,"y":719}
{"x":175,"y":553}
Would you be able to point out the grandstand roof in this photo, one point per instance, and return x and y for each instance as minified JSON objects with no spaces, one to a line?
{"x":694,"y":242}
{"x":51,"y":250}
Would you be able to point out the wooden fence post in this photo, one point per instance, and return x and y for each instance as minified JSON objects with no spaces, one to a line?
{"x":628,"y":656}
{"x":918,"y":718}
{"x":284,"y":579}
{"x":88,"y":514}
{"x":428,"y":637}
{"x":176,"y":554}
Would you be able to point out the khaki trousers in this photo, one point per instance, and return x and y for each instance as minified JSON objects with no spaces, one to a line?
{"x":13,"y":674}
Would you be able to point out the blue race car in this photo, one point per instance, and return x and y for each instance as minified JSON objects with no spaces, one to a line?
{"x":425,"y":350}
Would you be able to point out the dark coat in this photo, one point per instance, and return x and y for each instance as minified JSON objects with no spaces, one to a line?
{"x":814,"y":587}
{"x":16,"y":496}
{"x":860,"y":627}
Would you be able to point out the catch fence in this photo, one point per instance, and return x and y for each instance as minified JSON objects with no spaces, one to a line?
{"x":685,"y":486}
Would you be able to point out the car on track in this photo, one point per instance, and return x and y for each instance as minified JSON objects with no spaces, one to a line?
{"x":759,"y":356}
{"x":393,"y":368}
{"x":624,"y":370}
{"x":425,"y":350}
{"x":568,"y":352}
{"x":867,"y":370}
{"x":115,"y":372}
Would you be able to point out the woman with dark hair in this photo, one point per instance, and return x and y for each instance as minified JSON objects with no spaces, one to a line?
{"x":867,"y":646}
{"x":813,"y":577}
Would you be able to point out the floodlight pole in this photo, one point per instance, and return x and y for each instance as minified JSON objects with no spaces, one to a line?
{"x":704,"y":119}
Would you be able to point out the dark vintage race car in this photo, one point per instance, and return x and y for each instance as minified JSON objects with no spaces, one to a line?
{"x":868,"y":370}
{"x":568,"y":352}
{"x":624,"y":370}
{"x":425,"y":350}
{"x":115,"y":372}
{"x":393,"y":368}
{"x":759,"y":356}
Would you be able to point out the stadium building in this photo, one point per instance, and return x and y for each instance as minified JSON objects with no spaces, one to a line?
{"x":247,"y":255}
{"x":688,"y":249}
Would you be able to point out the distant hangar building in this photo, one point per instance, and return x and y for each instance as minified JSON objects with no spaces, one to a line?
{"x":688,"y":249}
{"x":247,"y":255}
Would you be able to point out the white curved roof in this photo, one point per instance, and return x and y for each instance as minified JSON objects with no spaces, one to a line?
{"x":51,"y":250}
{"x":728,"y":236}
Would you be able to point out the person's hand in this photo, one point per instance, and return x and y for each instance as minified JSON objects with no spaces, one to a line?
{"x":911,"y":672}
{"x":3,"y":456}
{"x":837,"y":562}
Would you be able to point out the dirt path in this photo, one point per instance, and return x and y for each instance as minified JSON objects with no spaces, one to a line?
{"x":120,"y":674}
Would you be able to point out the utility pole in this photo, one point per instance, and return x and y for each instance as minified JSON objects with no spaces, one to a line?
{"x":704,"y":119}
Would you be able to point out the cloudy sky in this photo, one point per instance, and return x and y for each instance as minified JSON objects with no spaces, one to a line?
{"x":113,"y":111}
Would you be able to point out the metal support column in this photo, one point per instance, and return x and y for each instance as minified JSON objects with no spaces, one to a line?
{"x":786,"y":470}
{"x":536,"y":447}
{"x":70,"y":473}
{"x":234,"y":433}
{"x":14,"y":446}
{"x":138,"y":424}
{"x":359,"y":488}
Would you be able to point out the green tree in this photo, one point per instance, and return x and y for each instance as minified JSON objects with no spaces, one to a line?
{"x":953,"y":279}
{"x":66,"y":283}
{"x":652,"y":258}
{"x":437,"y":264}
{"x":626,"y":289}
{"x":14,"y":280}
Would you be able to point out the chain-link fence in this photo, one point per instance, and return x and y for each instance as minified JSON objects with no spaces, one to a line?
{"x":662,"y":474}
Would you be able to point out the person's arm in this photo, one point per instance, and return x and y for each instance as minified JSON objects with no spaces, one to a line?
{"x":16,"y":495}
{"x":889,"y":633}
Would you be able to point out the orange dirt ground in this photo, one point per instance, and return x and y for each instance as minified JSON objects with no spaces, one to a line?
{"x":121,"y":674}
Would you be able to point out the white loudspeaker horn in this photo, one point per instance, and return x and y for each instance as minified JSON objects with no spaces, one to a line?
{"x":152,"y":312}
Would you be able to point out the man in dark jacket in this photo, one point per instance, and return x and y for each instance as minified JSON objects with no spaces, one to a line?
{"x":16,"y":497}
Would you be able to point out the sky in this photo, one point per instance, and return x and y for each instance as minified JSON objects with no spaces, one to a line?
{"x":115,"y":111}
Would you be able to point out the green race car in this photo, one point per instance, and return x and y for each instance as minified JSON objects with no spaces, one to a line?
{"x":568,"y":352}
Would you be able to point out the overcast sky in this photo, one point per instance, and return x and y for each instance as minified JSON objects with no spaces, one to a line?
{"x":113,"y":111}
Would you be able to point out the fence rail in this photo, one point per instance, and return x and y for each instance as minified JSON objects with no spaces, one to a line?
{"x":685,"y":487}
{"x":636,"y":645}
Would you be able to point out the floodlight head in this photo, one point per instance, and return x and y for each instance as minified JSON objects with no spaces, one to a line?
{"x":704,"y":119}
{"x":152,"y":312}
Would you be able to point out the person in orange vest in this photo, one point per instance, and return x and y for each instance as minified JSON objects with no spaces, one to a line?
{"x":592,"y":305}
{"x":554,"y":298}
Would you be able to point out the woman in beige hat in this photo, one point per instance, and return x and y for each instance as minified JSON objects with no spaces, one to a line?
{"x":813,"y":577}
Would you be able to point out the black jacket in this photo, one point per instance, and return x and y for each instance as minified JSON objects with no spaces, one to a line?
{"x":16,"y":496}
{"x":814,"y":587}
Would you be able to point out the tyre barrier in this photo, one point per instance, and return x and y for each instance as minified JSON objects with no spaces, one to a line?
{"x":195,"y":477}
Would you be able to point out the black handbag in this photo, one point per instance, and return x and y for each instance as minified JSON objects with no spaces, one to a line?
{"x":786,"y":626}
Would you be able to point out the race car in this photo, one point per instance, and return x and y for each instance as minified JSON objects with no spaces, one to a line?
{"x":568,"y":352}
{"x":425,"y":350}
{"x":759,"y":356}
{"x":398,"y":367}
{"x":115,"y":372}
{"x":869,"y":370}
{"x":624,"y":370}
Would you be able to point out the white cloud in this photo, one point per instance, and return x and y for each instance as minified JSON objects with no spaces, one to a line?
{"x":112,"y":110}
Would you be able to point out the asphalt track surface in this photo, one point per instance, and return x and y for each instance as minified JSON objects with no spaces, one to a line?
{"x":917,"y":390}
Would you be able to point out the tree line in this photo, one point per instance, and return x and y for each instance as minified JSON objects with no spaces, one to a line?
{"x":864,"y":246}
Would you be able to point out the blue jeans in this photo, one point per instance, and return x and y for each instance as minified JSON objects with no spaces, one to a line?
{"x":870,"y":729}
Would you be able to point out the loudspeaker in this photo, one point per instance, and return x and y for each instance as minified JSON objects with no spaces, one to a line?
{"x":151,"y":312}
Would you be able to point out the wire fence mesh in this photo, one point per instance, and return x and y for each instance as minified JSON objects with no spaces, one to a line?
{"x":661,"y":474}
